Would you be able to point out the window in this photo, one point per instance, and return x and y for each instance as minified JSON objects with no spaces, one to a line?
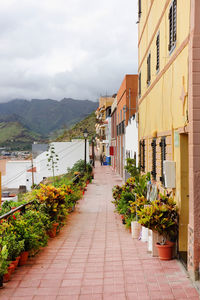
{"x":172,"y":25}
{"x":149,"y":69}
{"x":139,"y":8}
{"x":153,"y":172}
{"x":123,"y":127}
{"x":163,"y":156}
{"x":139,"y":85}
{"x":142,"y":155}
{"x":158,"y":52}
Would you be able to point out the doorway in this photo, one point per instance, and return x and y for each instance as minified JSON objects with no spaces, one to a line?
{"x":184,"y":196}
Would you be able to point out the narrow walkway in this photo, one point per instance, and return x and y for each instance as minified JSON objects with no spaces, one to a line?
{"x":94,"y":257}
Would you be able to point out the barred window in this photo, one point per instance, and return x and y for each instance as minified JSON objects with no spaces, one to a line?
{"x":149,"y":69}
{"x":172,"y":25}
{"x":153,"y":172}
{"x":142,"y":155}
{"x":163,"y":156}
{"x":158,"y":52}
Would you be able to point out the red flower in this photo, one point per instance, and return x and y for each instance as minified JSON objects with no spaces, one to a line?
{"x":14,"y":217}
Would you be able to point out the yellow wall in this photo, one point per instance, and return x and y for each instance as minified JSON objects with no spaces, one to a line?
{"x":160,"y":107}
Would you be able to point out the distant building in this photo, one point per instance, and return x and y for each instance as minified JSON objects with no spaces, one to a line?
{"x":103,"y":126}
{"x":19,"y":173}
{"x":126,"y":108}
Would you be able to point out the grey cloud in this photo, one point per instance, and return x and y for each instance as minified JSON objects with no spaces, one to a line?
{"x":66,"y":48}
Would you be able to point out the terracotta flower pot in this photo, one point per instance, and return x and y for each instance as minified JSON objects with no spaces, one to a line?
{"x":23,"y":258}
{"x":10,"y":270}
{"x":52,"y":232}
{"x":16,"y":261}
{"x":165,"y":251}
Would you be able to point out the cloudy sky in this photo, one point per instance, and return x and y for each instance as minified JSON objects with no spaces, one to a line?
{"x":66,"y":48}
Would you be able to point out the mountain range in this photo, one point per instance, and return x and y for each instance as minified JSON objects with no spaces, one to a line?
{"x":45,"y":116}
{"x":22,"y":122}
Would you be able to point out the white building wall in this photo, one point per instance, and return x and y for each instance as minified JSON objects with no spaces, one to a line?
{"x":68,"y":153}
{"x":131,"y":139}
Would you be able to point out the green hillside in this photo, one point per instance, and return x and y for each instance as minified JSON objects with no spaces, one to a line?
{"x":46,"y":116}
{"x":77,"y":130}
{"x":15,"y":137}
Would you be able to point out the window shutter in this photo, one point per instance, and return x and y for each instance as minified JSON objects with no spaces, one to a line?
{"x":174,"y":20}
{"x":153,"y":172}
{"x":140,"y":154}
{"x":143,"y":154}
{"x":158,"y":52}
{"x":170,"y":29}
{"x":163,"y":156}
{"x":149,"y":68}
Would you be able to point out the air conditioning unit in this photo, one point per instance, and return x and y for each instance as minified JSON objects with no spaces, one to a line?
{"x":169,"y":172}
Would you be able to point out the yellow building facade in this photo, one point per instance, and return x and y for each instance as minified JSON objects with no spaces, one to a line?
{"x":166,"y":34}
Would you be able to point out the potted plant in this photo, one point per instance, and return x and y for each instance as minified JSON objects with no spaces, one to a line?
{"x":136,"y":206}
{"x":30,"y":229}
{"x":162,"y":216}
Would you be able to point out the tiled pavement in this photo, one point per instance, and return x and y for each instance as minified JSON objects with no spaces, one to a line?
{"x":94,"y":257}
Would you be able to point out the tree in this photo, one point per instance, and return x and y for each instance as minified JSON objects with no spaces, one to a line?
{"x":52,"y":160}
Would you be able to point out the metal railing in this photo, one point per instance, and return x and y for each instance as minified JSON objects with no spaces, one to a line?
{"x":12,"y":211}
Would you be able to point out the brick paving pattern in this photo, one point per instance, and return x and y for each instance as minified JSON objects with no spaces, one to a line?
{"x":94,"y":257}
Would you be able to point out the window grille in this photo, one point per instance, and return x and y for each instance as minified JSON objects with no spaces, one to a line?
{"x":149,"y":69}
{"x":163,"y":156}
{"x":153,"y":172}
{"x":158,"y":52}
{"x":142,"y":155}
{"x":172,"y":25}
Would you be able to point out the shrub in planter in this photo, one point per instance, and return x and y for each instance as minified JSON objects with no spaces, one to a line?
{"x":161,"y":216}
{"x":14,"y":246}
{"x":30,"y":228}
{"x":52,"y":200}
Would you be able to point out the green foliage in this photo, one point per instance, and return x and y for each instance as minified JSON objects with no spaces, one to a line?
{"x":30,"y":228}
{"x":9,"y":239}
{"x":161,"y":216}
{"x":141,"y":185}
{"x":3,"y":260}
{"x":79,"y":166}
{"x":77,"y":130}
{"x":52,"y":160}
{"x":131,"y":167}
{"x":16,"y":137}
